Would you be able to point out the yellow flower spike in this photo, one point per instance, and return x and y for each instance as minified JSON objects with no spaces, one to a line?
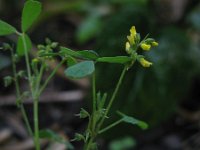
{"x":145,"y":46}
{"x":145,"y":63}
{"x":154,"y":43}
{"x":131,"y":37}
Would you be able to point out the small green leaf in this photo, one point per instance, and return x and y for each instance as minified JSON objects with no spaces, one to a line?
{"x":69,"y":52}
{"x":83,"y":114}
{"x":80,"y":70}
{"x":6,"y":29}
{"x":116,"y":59}
{"x":133,"y":121}
{"x":20,"y":45}
{"x":83,"y":54}
{"x":7,"y":81}
{"x":7,"y":46}
{"x":30,"y":13}
{"x":88,"y":54}
{"x":78,"y":137}
{"x":22,"y":74}
{"x":51,"y":135}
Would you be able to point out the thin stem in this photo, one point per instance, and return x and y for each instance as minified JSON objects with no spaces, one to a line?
{"x":93,"y":124}
{"x":92,"y":127}
{"x":94,"y":91}
{"x":26,"y":120}
{"x":36,"y":124}
{"x":39,"y":78}
{"x":113,"y":96}
{"x":110,"y":126}
{"x":35,"y":98}
{"x":18,"y":93}
{"x":88,"y":144}
{"x":15,"y":75}
{"x":50,"y":77}
{"x":27,"y":59}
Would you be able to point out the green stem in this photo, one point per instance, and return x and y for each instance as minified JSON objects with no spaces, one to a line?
{"x":39,"y":78}
{"x":94,"y":91}
{"x":21,"y":106}
{"x":26,"y":120}
{"x":113,"y":96}
{"x":50,"y":77}
{"x":27,"y":60}
{"x":94,"y":104}
{"x":34,"y":96}
{"x":36,"y":123}
{"x":110,"y":126}
{"x":92,"y":120}
{"x":91,"y":126}
{"x":87,"y":145}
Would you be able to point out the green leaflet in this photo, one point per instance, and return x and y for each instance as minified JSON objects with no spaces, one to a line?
{"x":6,"y":29}
{"x":116,"y":59}
{"x":20,"y":44}
{"x":133,"y":121}
{"x":80,"y":70}
{"x":83,"y":54}
{"x":30,"y":13}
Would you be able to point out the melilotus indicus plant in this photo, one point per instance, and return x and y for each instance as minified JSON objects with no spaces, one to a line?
{"x":80,"y":64}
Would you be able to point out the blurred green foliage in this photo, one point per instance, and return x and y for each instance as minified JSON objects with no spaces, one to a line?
{"x":4,"y":61}
{"x":122,"y":143}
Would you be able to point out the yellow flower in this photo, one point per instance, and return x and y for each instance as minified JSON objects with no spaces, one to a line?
{"x":145,"y":46}
{"x":128,"y":47}
{"x":154,"y":43}
{"x":133,"y":31}
{"x":131,"y":37}
{"x":144,"y":62}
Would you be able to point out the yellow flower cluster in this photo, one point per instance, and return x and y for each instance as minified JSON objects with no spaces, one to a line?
{"x":134,"y":43}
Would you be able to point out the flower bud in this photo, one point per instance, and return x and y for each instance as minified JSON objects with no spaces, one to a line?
{"x":144,"y":62}
{"x":145,"y":46}
{"x":154,"y":43}
{"x":128,"y":47}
